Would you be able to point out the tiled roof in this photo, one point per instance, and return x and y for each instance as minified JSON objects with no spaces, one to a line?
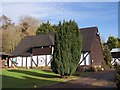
{"x":29,"y":42}
{"x":23,"y":49}
{"x":115,"y":50}
{"x":88,"y":35}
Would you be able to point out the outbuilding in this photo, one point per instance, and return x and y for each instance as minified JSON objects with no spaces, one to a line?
{"x":115,"y":53}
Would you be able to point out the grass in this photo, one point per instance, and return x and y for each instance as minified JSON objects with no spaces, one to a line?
{"x":29,"y":78}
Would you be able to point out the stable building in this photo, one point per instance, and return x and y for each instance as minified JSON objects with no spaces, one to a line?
{"x":115,"y":53}
{"x":37,"y":50}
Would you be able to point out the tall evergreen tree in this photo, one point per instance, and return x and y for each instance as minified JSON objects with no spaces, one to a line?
{"x":107,"y":55}
{"x":45,"y":28}
{"x":67,"y":50}
{"x":112,"y":42}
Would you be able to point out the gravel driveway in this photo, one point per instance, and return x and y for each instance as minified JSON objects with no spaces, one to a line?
{"x":97,"y":80}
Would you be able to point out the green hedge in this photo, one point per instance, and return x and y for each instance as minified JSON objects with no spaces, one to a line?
{"x":117,"y":67}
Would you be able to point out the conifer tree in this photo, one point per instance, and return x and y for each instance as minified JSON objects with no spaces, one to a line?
{"x":45,"y":28}
{"x":67,"y":49}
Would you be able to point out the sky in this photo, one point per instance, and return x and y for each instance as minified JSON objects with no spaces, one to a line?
{"x":104,"y":15}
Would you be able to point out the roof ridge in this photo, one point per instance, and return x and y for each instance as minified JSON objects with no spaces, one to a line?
{"x":89,"y":27}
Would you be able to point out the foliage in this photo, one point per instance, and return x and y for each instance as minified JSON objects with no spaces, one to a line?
{"x":118,"y":43}
{"x":107,"y":55}
{"x":10,"y":38}
{"x":117,"y":67}
{"x":67,"y":49}
{"x":28,"y":25}
{"x":11,"y":34}
{"x":105,"y":66}
{"x":112,"y":42}
{"x":5,"y":22}
{"x":45,"y":28}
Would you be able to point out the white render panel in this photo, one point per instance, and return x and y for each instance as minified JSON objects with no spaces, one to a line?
{"x":10,"y":62}
{"x":88,"y":62}
{"x":41,"y":60}
{"x":28,"y":61}
{"x":24,"y":61}
{"x":19,"y":59}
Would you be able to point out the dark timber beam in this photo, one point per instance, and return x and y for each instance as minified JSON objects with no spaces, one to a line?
{"x":22,"y":62}
{"x":118,"y":59}
{"x":37,"y":60}
{"x":31,"y":60}
{"x":46,"y":61}
{"x":50,"y":61}
{"x":34,"y":62}
{"x":26,"y":62}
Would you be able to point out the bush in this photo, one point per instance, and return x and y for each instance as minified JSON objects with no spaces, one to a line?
{"x":117,"y":67}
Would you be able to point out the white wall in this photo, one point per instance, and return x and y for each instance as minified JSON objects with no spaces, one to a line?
{"x":19,"y":61}
{"x":88,"y":59}
{"x":42,"y":59}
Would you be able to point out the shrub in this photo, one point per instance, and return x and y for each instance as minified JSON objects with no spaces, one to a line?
{"x":117,"y":67}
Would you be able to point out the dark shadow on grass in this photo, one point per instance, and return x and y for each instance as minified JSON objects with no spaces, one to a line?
{"x":32,"y":73}
{"x":47,"y":71}
{"x":9,"y":82}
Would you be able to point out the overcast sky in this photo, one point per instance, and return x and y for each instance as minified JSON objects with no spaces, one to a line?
{"x":104,"y":15}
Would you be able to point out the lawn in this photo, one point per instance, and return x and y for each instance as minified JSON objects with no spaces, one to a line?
{"x":29,"y":78}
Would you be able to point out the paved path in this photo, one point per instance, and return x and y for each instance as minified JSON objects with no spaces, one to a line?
{"x":97,"y":80}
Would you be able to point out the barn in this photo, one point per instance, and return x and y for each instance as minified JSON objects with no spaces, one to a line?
{"x":115,"y":53}
{"x":37,"y":50}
